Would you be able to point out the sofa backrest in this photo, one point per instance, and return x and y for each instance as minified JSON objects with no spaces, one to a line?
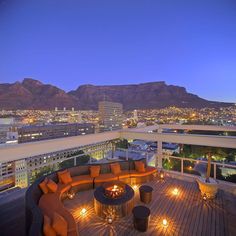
{"x":79,"y":170}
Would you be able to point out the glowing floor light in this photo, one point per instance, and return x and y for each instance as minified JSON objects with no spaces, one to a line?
{"x":83,"y":211}
{"x":135,"y":187}
{"x":175,"y":191}
{"x":165,"y":222}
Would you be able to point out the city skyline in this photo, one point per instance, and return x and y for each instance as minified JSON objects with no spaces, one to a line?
{"x":189,"y":44}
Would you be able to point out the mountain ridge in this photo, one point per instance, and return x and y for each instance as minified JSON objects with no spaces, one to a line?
{"x":33,"y":94}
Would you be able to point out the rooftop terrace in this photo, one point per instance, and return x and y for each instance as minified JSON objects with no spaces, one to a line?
{"x":187,"y":213}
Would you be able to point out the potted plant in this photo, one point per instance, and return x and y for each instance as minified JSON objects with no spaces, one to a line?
{"x":208,"y":186}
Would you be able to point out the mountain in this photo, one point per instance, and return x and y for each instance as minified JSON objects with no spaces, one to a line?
{"x":144,"y":96}
{"x":32,"y":94}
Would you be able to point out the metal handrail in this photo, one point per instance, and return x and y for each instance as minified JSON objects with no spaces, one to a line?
{"x":194,"y":160}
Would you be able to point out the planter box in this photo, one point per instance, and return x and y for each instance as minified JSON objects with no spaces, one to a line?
{"x":207,"y":189}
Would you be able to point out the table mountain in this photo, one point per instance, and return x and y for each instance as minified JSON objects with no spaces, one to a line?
{"x":141,"y":96}
{"x":32,"y":94}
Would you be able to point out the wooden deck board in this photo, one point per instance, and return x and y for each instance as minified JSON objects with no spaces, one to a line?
{"x":191,"y":213}
{"x":186,"y":213}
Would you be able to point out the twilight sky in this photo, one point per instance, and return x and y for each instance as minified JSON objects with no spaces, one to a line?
{"x":191,"y":43}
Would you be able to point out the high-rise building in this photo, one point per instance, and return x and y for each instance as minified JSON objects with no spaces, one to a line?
{"x":110,"y":115}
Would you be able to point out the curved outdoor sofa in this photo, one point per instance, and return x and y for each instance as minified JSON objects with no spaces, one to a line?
{"x":37,"y":204}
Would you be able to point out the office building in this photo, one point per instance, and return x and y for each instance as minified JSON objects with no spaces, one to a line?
{"x":110,"y":115}
{"x":52,"y":131}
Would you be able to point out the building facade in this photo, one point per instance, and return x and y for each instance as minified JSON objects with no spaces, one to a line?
{"x":7,"y":175}
{"x":53,"y":161}
{"x":110,"y":116}
{"x":52,"y":131}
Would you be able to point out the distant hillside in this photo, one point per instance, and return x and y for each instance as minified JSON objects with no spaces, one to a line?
{"x":32,"y":94}
{"x":141,"y":96}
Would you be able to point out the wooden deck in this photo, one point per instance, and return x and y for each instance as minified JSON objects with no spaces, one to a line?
{"x":187,"y":214}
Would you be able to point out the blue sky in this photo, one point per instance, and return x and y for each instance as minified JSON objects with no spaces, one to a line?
{"x":190,"y":43}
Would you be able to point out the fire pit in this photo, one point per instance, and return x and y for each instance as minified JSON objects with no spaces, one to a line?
{"x":114,"y":189}
{"x":114,"y":198}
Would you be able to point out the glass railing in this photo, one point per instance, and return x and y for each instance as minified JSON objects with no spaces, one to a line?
{"x":188,"y":166}
{"x":171,"y":163}
{"x":219,"y":171}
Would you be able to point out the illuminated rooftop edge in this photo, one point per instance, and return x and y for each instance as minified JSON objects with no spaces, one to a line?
{"x":20,"y":151}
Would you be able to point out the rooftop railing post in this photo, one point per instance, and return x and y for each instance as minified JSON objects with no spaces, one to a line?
{"x":182,"y":166}
{"x":159,"y":151}
{"x":214,"y":170}
{"x":156,"y":160}
{"x":74,"y":161}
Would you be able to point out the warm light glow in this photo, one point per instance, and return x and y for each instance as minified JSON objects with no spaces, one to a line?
{"x":115,"y":188}
{"x":70,"y":196}
{"x":190,"y":167}
{"x":83,"y":211}
{"x":204,"y":197}
{"x":175,"y":191}
{"x":165,"y":223}
{"x":135,"y":187}
{"x":162,"y":173}
{"x":114,"y":191}
{"x":109,"y":219}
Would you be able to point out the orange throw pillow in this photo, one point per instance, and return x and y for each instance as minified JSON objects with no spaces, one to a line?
{"x":59,"y":173}
{"x":47,"y":228}
{"x":43,"y":185}
{"x":52,"y":186}
{"x":94,"y":171}
{"x":139,"y":166}
{"x":66,"y":178}
{"x":59,"y":224}
{"x":115,"y":168}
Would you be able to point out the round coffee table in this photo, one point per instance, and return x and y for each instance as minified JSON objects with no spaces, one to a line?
{"x":145,"y":193}
{"x":141,"y":216}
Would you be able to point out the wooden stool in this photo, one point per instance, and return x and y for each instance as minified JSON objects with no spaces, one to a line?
{"x":145,"y":193}
{"x":141,"y":216}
